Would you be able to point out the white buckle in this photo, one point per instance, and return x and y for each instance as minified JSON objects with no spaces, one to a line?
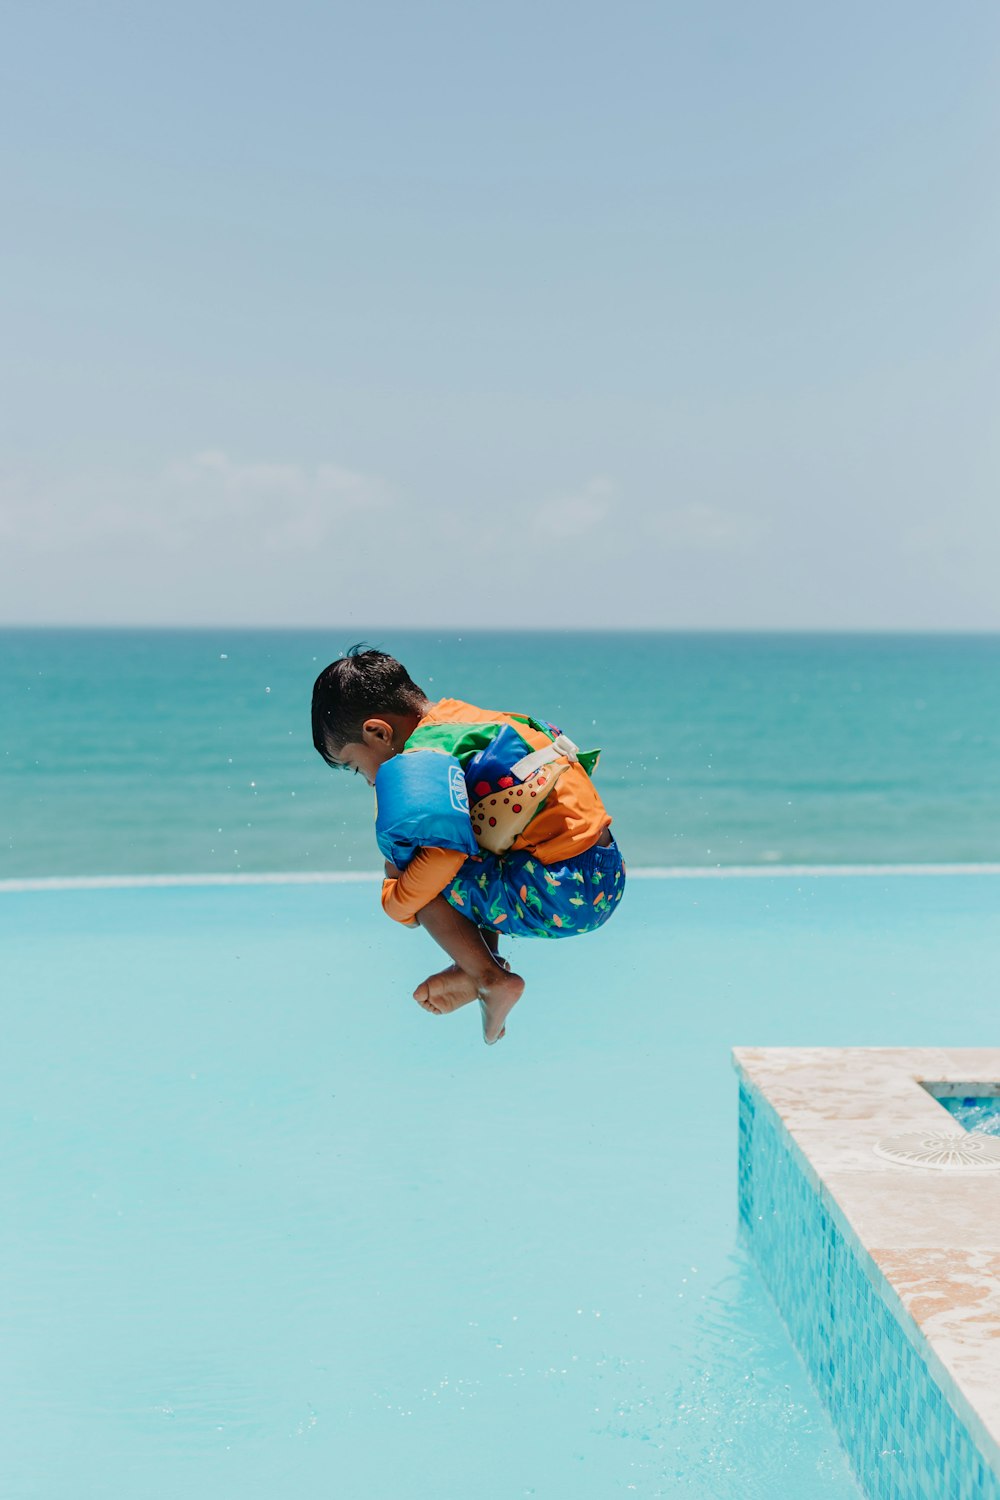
{"x":561,"y":747}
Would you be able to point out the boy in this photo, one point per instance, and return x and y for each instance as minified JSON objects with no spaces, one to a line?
{"x":562,"y":875}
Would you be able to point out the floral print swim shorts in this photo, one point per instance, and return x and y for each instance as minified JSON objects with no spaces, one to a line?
{"x":515,"y":893}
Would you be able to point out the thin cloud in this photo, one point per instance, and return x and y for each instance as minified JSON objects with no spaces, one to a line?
{"x":207,"y":497}
{"x":574,"y":515}
{"x":290,"y":506}
{"x":701,"y":527}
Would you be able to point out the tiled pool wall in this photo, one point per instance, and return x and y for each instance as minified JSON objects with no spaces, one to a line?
{"x":902,"y":1436}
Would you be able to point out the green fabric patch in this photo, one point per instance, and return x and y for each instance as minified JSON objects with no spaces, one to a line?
{"x":463,"y":741}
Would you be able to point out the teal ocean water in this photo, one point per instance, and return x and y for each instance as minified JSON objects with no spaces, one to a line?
{"x":145,"y":752}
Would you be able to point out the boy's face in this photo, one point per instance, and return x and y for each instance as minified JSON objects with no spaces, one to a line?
{"x":376,"y":746}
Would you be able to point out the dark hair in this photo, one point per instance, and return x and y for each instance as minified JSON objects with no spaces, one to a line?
{"x":347,"y":692}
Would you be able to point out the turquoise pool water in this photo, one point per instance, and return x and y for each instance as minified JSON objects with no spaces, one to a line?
{"x":269,"y":1229}
{"x":982,"y":1114}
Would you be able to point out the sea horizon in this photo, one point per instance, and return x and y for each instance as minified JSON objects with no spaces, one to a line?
{"x":186,"y":750}
{"x":485,"y":630}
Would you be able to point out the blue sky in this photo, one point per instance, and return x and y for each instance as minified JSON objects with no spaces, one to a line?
{"x":644,"y":314}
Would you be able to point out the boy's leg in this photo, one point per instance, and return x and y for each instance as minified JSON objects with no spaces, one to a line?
{"x":462,"y":941}
{"x":480,"y":974}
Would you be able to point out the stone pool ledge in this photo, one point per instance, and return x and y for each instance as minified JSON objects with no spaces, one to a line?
{"x":888,"y":1276}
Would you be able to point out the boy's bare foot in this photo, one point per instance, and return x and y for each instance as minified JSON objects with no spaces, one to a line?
{"x":450,"y":990}
{"x":442,"y":993}
{"x":497,"y":999}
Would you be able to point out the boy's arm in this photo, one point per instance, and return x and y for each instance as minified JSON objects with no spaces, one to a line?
{"x":425,"y":877}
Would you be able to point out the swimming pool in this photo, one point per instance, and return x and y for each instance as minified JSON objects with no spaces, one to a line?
{"x":270,"y":1229}
{"x":975,"y":1111}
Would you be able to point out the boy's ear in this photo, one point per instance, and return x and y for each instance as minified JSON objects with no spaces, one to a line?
{"x":377,"y":730}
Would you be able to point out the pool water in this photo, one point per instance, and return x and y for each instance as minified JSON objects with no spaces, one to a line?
{"x":975,"y":1113}
{"x":269,"y":1229}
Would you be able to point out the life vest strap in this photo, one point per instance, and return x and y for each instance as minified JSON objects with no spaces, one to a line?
{"x":561,"y":748}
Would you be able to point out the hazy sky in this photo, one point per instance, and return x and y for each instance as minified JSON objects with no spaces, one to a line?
{"x":597,"y":314}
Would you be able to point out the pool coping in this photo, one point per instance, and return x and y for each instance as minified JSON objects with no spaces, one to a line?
{"x":929,"y":1241}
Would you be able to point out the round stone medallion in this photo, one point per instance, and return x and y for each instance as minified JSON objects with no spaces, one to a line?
{"x":944,"y":1151}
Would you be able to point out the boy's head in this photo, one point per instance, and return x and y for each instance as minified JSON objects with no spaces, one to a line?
{"x":364,"y":708}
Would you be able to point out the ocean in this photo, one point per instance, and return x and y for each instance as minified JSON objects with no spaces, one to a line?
{"x":129,"y":752}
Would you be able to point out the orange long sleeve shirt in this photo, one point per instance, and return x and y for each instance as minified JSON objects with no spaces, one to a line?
{"x":572,"y":820}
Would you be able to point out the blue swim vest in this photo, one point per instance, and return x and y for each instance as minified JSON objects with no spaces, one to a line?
{"x":421,"y":802}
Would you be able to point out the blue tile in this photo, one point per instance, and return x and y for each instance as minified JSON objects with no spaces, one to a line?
{"x":901,"y":1434}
